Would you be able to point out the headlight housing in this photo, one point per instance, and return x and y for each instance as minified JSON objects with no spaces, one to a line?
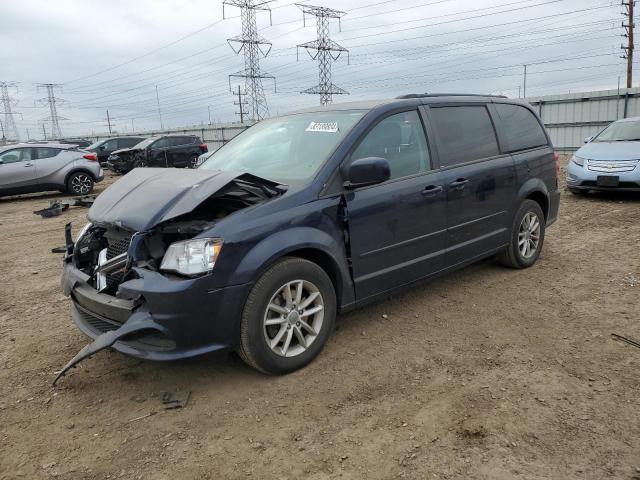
{"x":83,"y":231}
{"x":192,"y":257}
{"x":578,"y":160}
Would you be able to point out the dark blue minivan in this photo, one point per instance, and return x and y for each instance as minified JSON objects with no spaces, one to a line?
{"x":304,"y":216}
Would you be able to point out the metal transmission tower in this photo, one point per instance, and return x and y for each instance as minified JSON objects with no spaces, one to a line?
{"x":10,"y":130}
{"x":253,"y":46}
{"x":629,"y":48}
{"x":326,"y":51}
{"x":53,"y":102}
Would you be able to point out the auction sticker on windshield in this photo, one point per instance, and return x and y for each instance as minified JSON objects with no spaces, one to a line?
{"x":326,"y":127}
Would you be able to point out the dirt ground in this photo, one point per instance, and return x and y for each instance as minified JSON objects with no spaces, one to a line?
{"x":488,"y":373}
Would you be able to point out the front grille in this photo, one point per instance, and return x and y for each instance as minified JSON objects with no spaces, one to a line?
{"x":116,"y":247}
{"x":612,"y":166}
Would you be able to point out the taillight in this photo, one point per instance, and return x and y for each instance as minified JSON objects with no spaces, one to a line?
{"x":556,"y":159}
{"x":203,"y":147}
{"x":91,"y":156}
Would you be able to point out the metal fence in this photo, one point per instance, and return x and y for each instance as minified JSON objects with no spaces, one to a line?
{"x":215,"y":136}
{"x":570,"y":118}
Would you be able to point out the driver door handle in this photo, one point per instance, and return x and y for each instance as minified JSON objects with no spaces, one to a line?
{"x":432,"y":190}
{"x":459,"y":184}
{"x":28,"y":164}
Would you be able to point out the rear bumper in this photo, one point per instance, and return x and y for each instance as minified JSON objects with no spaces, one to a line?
{"x":174,"y":318}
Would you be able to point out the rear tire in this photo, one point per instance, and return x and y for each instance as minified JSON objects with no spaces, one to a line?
{"x":80,"y":183}
{"x":527,"y":237}
{"x":288,"y":317}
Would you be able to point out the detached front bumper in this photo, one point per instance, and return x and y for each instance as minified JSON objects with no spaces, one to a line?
{"x":155,"y":317}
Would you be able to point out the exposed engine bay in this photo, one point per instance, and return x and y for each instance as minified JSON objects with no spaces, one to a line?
{"x":106,"y":252}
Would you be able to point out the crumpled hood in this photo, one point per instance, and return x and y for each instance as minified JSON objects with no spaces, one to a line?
{"x":146,"y":197}
{"x":124,"y":150}
{"x":610,"y":151}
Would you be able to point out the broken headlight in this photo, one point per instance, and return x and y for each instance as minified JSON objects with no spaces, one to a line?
{"x":192,"y":257}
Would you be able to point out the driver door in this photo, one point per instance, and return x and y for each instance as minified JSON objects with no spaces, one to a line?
{"x":17,"y":170}
{"x":397,"y":228}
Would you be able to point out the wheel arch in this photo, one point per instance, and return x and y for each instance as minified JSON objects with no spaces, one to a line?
{"x":536,"y":190}
{"x":311,"y":244}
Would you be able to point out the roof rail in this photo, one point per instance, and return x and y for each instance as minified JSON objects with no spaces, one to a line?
{"x":422,"y":95}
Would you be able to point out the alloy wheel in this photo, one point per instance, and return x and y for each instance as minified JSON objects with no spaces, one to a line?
{"x":529,"y":235}
{"x":293,"y":318}
{"x":81,"y":184}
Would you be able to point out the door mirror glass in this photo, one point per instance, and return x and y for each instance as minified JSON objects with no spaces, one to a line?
{"x":101,"y":148}
{"x":367,"y":171}
{"x":588,"y":139}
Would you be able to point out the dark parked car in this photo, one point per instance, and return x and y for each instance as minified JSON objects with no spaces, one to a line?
{"x":106,"y":147}
{"x":305,"y":216}
{"x":164,"y":151}
{"x":80,"y":142}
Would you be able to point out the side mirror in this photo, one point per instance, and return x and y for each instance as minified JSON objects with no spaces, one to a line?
{"x":588,"y":139}
{"x":101,"y":148}
{"x":367,"y":171}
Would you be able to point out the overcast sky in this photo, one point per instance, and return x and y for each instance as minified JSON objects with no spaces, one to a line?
{"x":91,"y":48}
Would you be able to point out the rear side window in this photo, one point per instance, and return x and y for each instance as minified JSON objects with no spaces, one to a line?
{"x":521,"y":128}
{"x":464,"y":134}
{"x":45,"y":153}
{"x":177,"y":141}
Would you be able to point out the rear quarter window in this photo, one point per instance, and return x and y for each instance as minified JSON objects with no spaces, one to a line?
{"x":520,"y":128}
{"x":464,"y":133}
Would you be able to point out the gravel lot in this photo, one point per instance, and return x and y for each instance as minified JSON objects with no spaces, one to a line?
{"x":488,"y":373}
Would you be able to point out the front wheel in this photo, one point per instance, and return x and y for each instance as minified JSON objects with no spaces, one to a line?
{"x":527,"y":237}
{"x":80,"y":183}
{"x":288,"y":317}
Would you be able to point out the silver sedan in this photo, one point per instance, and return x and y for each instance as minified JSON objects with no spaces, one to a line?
{"x":34,"y":167}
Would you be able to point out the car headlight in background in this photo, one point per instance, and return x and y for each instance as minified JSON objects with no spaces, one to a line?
{"x":578,"y":160}
{"x":192,"y":257}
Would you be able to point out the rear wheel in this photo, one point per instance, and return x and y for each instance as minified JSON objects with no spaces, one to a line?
{"x":80,"y":183}
{"x":288,"y":317}
{"x":527,"y":237}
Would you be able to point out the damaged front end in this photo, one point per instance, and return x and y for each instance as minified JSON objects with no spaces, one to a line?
{"x":137,"y":275}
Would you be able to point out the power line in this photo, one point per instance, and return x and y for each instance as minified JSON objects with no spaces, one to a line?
{"x":52,"y":101}
{"x":9,"y":130}
{"x":253,"y":46}
{"x":326,"y":51}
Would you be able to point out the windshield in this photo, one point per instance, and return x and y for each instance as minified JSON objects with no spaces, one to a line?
{"x":146,"y":143}
{"x":94,"y":146}
{"x":620,"y":132}
{"x":287,"y":149}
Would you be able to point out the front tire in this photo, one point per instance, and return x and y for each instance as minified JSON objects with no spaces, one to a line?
{"x":80,"y":183}
{"x":527,"y":237}
{"x":288,"y":317}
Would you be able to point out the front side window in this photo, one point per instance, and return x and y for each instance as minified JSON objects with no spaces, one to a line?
{"x":399,"y":139}
{"x":288,"y":149}
{"x":161,"y":143}
{"x":625,"y":131}
{"x":464,"y":133}
{"x":16,"y":155}
{"x":520,"y":127}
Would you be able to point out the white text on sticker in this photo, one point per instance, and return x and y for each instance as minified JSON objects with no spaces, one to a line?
{"x":327,"y":127}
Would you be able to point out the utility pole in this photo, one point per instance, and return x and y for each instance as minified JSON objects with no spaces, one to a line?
{"x":253,"y":46}
{"x":52,"y":101}
{"x":10,"y":130}
{"x":209,"y":109}
{"x":629,"y":48}
{"x":44,"y":132}
{"x":159,"y":112}
{"x":109,"y":121}
{"x":28,"y":135}
{"x":326,"y":51}
{"x":240,"y":103}
{"x":524,"y":88}
{"x":3,"y":138}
